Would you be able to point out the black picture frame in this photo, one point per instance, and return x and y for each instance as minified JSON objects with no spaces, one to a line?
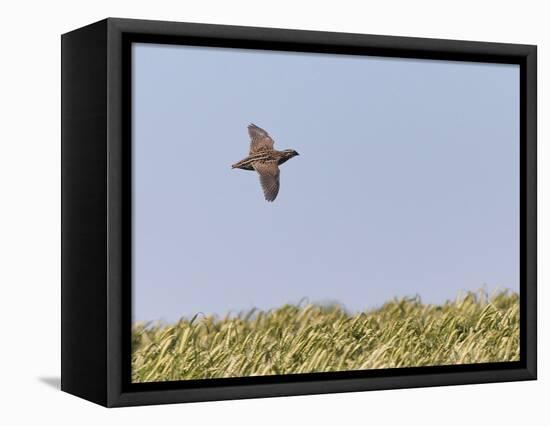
{"x":96,"y":211}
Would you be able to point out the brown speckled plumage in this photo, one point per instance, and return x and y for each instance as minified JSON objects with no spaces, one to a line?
{"x":265,"y":160}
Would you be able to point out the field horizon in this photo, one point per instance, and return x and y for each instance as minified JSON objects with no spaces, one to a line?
{"x":294,"y":339}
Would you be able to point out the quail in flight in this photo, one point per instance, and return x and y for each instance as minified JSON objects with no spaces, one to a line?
{"x":265,"y":160}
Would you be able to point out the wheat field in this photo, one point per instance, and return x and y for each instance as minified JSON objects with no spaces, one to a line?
{"x":474,"y":328}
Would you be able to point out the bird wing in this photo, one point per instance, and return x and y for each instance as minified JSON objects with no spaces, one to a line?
{"x":269,"y":178}
{"x":259,"y":139}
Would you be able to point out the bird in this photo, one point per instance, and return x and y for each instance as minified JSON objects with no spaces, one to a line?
{"x":264,"y":160}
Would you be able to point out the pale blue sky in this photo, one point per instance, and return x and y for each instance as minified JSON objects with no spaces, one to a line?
{"x":407,"y":180}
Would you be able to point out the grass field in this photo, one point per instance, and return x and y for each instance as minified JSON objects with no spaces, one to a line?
{"x":302,"y":339}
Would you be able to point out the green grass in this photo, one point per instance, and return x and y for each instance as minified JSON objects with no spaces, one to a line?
{"x":304,"y":339}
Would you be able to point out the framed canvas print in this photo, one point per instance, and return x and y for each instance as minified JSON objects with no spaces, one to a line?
{"x":252,"y":212}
